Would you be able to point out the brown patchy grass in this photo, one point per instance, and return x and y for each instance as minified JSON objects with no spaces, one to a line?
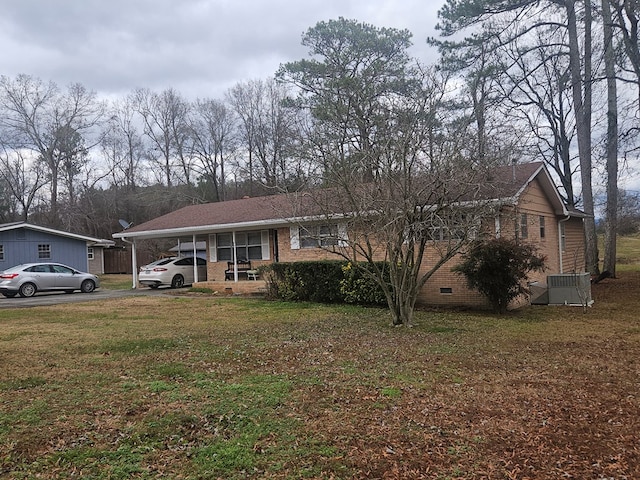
{"x":201,"y":387}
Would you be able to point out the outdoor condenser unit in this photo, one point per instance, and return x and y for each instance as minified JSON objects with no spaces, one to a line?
{"x":569,"y":289}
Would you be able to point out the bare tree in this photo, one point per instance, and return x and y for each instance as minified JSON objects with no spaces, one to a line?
{"x":376,"y":117}
{"x":122,"y":145}
{"x":625,"y":20}
{"x":266,"y":130}
{"x":39,"y":118}
{"x":22,"y":179}
{"x":165,"y":117}
{"x":213,"y":137}
{"x":523,"y":18}
{"x":536,"y":89}
{"x":611,"y":214}
{"x":243,"y":99}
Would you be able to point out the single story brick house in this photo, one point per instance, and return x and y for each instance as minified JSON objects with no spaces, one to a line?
{"x":22,"y":242}
{"x":267,"y":229}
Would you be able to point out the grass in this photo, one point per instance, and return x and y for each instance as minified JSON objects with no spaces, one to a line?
{"x":201,"y":387}
{"x":628,"y":252}
{"x":116,"y":282}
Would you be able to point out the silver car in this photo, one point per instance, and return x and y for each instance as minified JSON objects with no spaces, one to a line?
{"x":174,"y":272}
{"x":29,"y":278}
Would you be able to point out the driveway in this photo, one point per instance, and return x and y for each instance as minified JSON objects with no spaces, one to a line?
{"x":55,"y":298}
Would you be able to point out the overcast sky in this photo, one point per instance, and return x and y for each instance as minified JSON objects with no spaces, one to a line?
{"x":199,"y":47}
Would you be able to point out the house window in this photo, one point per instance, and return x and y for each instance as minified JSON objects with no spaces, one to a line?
{"x":451,"y":227}
{"x":248,"y":246}
{"x":542,"y":227}
{"x":524,"y":227}
{"x":446,"y":290}
{"x":563,"y":239}
{"x":1,"y":253}
{"x":90,"y":255}
{"x":44,"y":251}
{"x":318,"y":236}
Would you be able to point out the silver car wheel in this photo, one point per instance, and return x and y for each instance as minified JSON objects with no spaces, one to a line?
{"x":27,"y":290}
{"x":87,"y":286}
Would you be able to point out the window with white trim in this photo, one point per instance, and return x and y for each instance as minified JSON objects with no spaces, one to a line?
{"x":542,"y":227}
{"x":318,"y":236}
{"x":563,"y":238}
{"x":249,"y":246}
{"x":440,"y":228}
{"x":1,"y":252}
{"x":314,"y":236}
{"x":90,"y":253}
{"x":44,"y":251}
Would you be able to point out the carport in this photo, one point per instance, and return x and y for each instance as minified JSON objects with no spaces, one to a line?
{"x":207,"y":222}
{"x":133,"y":238}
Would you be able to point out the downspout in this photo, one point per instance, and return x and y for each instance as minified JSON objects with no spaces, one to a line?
{"x":560,"y":256}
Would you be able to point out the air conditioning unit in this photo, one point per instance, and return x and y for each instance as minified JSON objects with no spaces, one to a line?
{"x":570,"y":289}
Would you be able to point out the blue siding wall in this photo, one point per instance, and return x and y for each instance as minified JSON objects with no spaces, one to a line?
{"x":21,"y":246}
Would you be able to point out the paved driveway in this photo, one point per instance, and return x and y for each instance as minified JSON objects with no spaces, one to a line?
{"x":55,"y":298}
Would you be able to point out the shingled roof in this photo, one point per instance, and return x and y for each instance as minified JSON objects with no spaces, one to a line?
{"x":504,"y":184}
{"x":91,"y":241}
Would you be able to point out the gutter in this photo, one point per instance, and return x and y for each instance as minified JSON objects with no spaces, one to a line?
{"x":226,"y":227}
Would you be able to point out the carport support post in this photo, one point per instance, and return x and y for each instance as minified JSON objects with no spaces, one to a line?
{"x":195,"y":261}
{"x":134,"y":264}
{"x":235,"y":257}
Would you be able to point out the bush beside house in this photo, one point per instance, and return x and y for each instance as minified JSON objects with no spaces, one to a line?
{"x":322,"y":281}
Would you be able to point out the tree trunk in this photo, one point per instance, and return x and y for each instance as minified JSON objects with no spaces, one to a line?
{"x":583,"y":126}
{"x":611,"y":222}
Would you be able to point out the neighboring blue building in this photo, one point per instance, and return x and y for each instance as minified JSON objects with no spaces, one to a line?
{"x":21,"y":242}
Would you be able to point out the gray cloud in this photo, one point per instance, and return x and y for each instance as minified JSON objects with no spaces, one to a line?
{"x":198,"y":47}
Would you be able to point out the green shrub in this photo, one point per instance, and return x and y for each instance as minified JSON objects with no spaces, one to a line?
{"x":498,"y":267}
{"x":305,"y":281}
{"x":359,"y":288}
{"x":321,"y":281}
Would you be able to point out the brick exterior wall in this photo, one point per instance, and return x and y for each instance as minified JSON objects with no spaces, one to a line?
{"x":445,"y":288}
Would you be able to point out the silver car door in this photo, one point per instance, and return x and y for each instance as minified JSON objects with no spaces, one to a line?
{"x":43,"y":277}
{"x":65,"y":278}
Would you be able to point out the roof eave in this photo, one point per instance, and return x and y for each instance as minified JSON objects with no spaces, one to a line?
{"x":226,"y":227}
{"x":183,"y":231}
{"x":53,"y":231}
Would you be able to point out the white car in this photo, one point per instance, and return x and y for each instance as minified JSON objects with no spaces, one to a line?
{"x":29,"y":278}
{"x":174,"y":272}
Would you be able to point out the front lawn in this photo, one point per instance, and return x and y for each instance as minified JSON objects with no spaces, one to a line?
{"x":231,"y":388}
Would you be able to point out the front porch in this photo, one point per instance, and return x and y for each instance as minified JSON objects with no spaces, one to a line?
{"x":241,"y":287}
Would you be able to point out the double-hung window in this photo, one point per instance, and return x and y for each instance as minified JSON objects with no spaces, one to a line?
{"x":315,"y":236}
{"x":249,"y":246}
{"x":318,"y":236}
